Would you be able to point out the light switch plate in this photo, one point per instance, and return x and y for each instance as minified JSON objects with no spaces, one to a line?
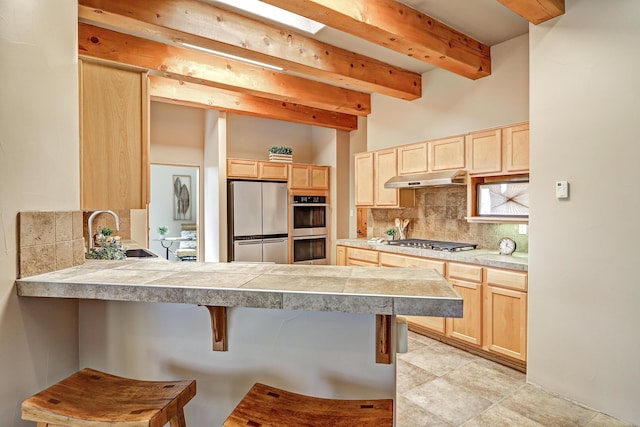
{"x":562,"y":189}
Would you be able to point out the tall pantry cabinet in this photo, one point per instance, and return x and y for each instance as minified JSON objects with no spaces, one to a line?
{"x":114,"y":137}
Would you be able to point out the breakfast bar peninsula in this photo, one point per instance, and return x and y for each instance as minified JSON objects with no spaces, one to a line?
{"x":318,"y":330}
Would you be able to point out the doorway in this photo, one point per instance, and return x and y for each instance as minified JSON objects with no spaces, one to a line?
{"x":175,"y":206}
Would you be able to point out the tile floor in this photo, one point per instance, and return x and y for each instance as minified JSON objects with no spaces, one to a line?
{"x":439,"y":385}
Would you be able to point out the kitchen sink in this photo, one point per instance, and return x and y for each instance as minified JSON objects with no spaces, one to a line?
{"x":139,"y":253}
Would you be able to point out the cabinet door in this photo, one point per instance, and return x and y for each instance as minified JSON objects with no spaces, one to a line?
{"x":241,"y":168}
{"x":484,"y":151}
{"x":114,"y":147}
{"x":385,"y":167}
{"x":364,"y":179}
{"x":505,"y":317}
{"x":412,"y":158}
{"x":516,"y":141}
{"x":435,"y":324}
{"x":273,"y":170}
{"x":299,"y":176}
{"x":341,"y":255}
{"x":447,"y":154}
{"x":469,"y":327}
{"x":319,"y":177}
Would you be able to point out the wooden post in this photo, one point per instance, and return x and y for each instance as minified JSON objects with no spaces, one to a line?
{"x":219,"y":327}
{"x":383,"y":338}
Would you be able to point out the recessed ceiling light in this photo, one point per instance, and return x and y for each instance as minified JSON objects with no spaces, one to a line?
{"x":229,"y":56}
{"x":273,"y":13}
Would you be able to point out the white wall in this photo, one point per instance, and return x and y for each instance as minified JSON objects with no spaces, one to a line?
{"x":453,"y":105}
{"x":584,"y":293}
{"x":176,"y":134}
{"x":249,"y":137}
{"x":161,"y":208}
{"x":317,"y":353}
{"x":39,"y":170}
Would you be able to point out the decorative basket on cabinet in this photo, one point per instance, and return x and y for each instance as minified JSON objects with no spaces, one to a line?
{"x":280,"y":154}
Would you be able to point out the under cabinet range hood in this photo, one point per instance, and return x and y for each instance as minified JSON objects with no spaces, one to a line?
{"x":431,"y":179}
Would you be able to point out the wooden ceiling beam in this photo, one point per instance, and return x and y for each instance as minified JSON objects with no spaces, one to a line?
{"x":211,"y":70}
{"x":195,"y":95}
{"x":205,"y":25}
{"x":401,"y":28}
{"x":537,"y":11}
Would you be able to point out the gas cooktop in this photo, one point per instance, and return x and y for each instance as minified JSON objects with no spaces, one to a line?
{"x":436,"y":245}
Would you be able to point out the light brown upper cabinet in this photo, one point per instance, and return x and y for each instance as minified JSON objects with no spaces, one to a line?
{"x":114,"y":142}
{"x":308,"y":176}
{"x":484,"y":151}
{"x":413,"y":158}
{"x":372,"y":170}
{"x":256,"y":169}
{"x":447,"y":153}
{"x":432,"y":156}
{"x":363,"y":167}
{"x":242,"y":168}
{"x":516,"y":148}
{"x":499,"y":151}
{"x":385,"y":167}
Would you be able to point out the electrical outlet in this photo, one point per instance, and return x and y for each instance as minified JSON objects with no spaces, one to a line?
{"x":522,"y":228}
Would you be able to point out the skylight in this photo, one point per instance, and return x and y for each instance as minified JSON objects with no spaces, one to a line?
{"x":273,"y":13}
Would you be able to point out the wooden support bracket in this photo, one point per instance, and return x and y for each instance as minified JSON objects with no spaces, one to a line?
{"x":383,"y":338}
{"x":219,"y":327}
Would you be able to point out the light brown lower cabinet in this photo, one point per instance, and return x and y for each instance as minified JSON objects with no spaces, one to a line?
{"x":494,"y":321}
{"x":436,"y":324}
{"x":341,"y":255}
{"x":469,"y":327}
{"x":361,"y":257}
{"x":505,"y":313}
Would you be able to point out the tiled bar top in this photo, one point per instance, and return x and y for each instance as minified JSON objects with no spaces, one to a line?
{"x":277,"y":286}
{"x":485,"y":257}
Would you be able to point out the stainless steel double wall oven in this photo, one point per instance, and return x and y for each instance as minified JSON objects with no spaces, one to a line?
{"x":310,"y":217}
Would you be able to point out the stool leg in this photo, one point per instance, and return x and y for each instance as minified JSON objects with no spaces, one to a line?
{"x":178,"y":420}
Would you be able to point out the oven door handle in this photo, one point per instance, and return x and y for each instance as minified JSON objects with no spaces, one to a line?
{"x":295,"y":205}
{"x":315,"y":236}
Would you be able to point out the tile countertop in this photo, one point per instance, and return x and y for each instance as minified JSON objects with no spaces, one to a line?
{"x":484,"y":257}
{"x":407,"y":291}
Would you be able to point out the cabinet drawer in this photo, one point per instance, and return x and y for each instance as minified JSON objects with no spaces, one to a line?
{"x":507,"y":279}
{"x":471,"y":273}
{"x":362,"y":255}
{"x":358,"y":263}
{"x":393,"y":260}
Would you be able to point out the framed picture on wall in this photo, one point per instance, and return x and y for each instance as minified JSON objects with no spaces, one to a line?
{"x":182,"y":197}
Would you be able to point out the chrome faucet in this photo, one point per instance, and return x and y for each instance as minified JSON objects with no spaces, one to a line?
{"x":90,"y":224}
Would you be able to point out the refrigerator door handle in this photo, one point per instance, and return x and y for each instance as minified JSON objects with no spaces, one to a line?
{"x":274,"y":240}
{"x":248,"y":242}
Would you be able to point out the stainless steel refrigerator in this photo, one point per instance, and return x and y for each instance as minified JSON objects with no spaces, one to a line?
{"x":258,"y":221}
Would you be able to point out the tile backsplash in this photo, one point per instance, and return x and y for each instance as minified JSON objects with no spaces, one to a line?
{"x":49,"y":241}
{"x":440,"y":215}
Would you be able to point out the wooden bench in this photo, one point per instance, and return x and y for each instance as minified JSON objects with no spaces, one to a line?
{"x":265,"y":406}
{"x":91,"y":398}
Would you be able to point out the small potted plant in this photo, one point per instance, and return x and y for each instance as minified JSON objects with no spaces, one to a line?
{"x":391,"y":233}
{"x":280,"y":153}
{"x":162,"y":231}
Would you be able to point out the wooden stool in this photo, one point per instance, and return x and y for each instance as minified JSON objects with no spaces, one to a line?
{"x":265,"y":406}
{"x":91,"y":398}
